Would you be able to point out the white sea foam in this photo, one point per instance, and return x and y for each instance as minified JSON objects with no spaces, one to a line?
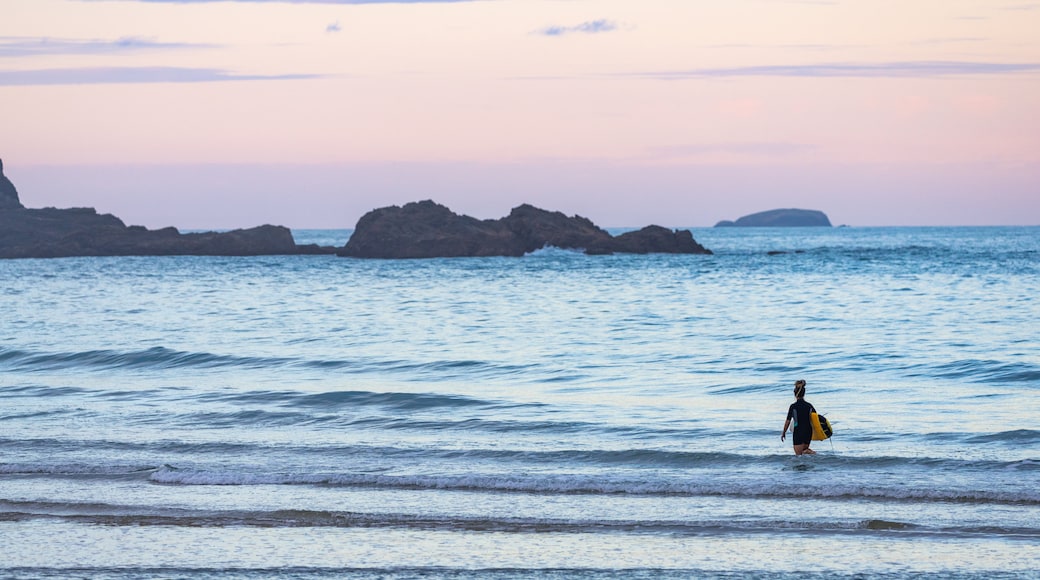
{"x":605,"y":485}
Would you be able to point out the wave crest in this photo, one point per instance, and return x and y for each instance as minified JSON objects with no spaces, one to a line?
{"x":592,"y":485}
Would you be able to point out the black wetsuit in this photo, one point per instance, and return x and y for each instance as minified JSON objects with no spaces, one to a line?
{"x":799,"y":414}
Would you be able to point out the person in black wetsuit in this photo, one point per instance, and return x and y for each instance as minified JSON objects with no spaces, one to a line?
{"x":798,"y":413}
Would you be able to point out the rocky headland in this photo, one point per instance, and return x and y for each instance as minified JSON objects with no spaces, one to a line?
{"x":8,"y":193}
{"x":429,"y":230}
{"x":780,"y":218}
{"x":56,"y":233}
{"x":417,"y":230}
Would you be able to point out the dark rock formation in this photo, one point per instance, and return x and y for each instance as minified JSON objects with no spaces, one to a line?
{"x":429,"y":230}
{"x":780,"y":218}
{"x":55,"y":233}
{"x":537,"y":228}
{"x":655,"y":239}
{"x":8,"y":194}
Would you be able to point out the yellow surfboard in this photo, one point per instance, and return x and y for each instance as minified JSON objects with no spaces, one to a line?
{"x":821,"y":427}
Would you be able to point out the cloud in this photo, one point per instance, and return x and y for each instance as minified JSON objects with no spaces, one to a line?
{"x":756,"y":148}
{"x":950,"y":40}
{"x":814,"y":2}
{"x":131,"y":75}
{"x":342,"y":2}
{"x":21,"y":46}
{"x":802,"y":46}
{"x":590,"y":27}
{"x":909,"y":69}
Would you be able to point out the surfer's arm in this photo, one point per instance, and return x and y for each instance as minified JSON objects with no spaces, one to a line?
{"x":783,"y":434}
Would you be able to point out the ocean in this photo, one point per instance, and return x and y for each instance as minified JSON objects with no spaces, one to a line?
{"x":551,"y":416}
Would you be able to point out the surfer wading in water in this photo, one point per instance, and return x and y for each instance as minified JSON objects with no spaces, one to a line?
{"x":799,"y":412}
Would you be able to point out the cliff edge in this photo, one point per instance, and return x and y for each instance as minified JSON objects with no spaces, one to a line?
{"x":8,"y":193}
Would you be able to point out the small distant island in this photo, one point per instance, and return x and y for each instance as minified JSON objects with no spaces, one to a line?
{"x":777,"y":218}
{"x":58,"y":233}
{"x":426,"y":229}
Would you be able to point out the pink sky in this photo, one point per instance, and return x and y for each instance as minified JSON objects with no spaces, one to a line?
{"x":204,"y":114}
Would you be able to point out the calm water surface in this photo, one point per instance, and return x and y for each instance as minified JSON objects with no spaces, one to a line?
{"x":552,"y":416}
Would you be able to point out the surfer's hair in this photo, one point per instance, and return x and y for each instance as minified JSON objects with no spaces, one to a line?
{"x":799,"y":388}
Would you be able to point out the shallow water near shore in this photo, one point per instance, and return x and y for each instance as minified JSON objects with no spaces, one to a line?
{"x":551,"y":416}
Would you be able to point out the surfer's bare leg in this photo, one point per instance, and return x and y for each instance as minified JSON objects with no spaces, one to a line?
{"x":803,"y":449}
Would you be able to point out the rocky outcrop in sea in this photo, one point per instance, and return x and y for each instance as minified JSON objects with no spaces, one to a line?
{"x":8,"y":193}
{"x":417,"y":230}
{"x":429,"y":230}
{"x":57,"y":233}
{"x":780,"y":218}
